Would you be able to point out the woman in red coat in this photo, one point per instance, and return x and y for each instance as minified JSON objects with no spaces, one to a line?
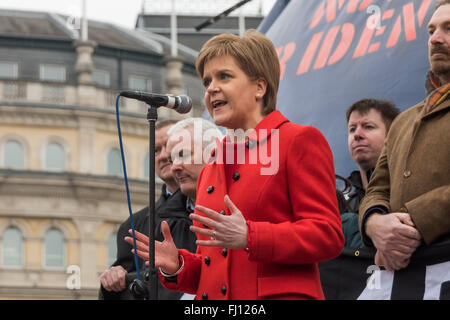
{"x":266,"y":211}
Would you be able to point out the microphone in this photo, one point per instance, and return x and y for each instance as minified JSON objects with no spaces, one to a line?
{"x":181,"y":104}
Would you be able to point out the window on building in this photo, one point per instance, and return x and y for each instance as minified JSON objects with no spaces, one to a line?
{"x":101,"y":78}
{"x":145,"y":166}
{"x":112,"y":248}
{"x":52,"y":72}
{"x":54,"y":249}
{"x":8,"y":70}
{"x":140,"y":83}
{"x":12,"y":247}
{"x":114,"y":162}
{"x":13,"y":155}
{"x":55,"y":157}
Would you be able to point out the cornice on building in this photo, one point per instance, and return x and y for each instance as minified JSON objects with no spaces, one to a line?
{"x":69,"y":195}
{"x":70,"y":117}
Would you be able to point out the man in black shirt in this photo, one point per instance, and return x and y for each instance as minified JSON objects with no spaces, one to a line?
{"x":172,"y":206}
{"x":368,"y":122}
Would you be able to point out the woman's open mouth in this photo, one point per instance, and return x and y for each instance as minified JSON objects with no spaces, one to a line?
{"x":218,"y":104}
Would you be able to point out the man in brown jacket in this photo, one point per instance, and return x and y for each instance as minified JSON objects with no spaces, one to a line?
{"x":408,"y":198}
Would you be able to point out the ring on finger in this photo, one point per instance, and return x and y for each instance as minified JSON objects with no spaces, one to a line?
{"x":213,"y":235}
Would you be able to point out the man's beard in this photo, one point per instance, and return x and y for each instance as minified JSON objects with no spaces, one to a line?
{"x":441,"y":65}
{"x":440,"y":68}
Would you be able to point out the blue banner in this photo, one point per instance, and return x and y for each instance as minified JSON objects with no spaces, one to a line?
{"x":335,"y":52}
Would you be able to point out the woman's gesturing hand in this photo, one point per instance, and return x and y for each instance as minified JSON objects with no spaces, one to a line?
{"x":227,"y":231}
{"x":166,"y":253}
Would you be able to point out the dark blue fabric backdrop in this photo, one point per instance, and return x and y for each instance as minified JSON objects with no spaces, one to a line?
{"x":365,"y":49}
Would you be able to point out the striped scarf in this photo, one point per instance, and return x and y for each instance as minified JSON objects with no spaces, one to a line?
{"x":439,"y":94}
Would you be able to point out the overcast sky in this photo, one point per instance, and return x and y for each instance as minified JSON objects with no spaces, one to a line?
{"x":120,"y":12}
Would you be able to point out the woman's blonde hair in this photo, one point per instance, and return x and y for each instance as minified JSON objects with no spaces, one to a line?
{"x":254,"y":53}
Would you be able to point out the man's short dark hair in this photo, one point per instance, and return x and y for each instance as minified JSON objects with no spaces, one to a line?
{"x":387,"y":109}
{"x":441,"y":3}
{"x":164,"y":123}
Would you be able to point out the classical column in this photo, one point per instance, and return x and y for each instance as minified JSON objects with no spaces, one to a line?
{"x":86,"y":92}
{"x":84,"y":65}
{"x":88,"y":251}
{"x":86,"y":144}
{"x":174,"y":78}
{"x":174,"y":85}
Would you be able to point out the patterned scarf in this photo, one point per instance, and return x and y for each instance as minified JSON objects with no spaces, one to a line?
{"x":438,"y":94}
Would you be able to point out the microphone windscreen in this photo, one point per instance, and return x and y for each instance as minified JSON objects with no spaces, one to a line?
{"x":185,"y":104}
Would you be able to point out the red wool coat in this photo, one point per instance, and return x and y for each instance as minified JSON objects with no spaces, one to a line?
{"x":291,"y":212}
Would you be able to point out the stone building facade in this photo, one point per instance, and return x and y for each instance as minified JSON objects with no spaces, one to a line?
{"x":62,"y":193}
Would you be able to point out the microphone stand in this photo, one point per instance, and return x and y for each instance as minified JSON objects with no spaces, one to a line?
{"x":154,"y":101}
{"x":152,"y":116}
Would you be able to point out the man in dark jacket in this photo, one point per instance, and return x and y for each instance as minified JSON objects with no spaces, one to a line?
{"x":172,"y":206}
{"x":368,"y":122}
